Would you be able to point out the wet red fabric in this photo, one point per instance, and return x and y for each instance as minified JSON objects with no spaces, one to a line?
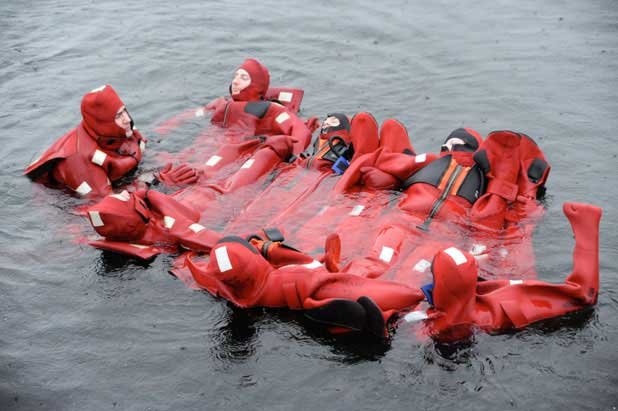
{"x":76,"y":161}
{"x":99,"y":108}
{"x":240,"y":274}
{"x":94,"y":154}
{"x":148,"y":218}
{"x":460,"y":303}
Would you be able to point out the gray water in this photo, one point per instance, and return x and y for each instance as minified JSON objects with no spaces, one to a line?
{"x":86,"y":330}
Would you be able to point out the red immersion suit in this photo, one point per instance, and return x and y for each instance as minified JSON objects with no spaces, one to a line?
{"x":238,"y":272}
{"x":495,"y":226}
{"x":95,"y":153}
{"x":248,"y":120}
{"x":461,"y":303}
{"x":146,"y":223}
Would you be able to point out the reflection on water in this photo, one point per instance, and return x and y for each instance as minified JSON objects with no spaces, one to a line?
{"x":235,"y":335}
{"x":112,"y":264}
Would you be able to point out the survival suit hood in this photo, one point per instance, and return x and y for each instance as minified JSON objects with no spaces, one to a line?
{"x":462,"y":152}
{"x":239,"y":271}
{"x":260,"y":80}
{"x":99,"y":108}
{"x":120,"y":217}
{"x":332,"y":142}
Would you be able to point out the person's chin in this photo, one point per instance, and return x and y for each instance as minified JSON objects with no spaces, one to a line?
{"x":128,"y":133}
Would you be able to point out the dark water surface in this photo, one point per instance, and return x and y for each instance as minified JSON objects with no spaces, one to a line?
{"x":85,"y":330}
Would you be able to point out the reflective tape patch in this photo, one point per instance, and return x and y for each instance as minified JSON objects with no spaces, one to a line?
{"x":313,"y":264}
{"x":142,"y":145}
{"x":248,"y":163}
{"x":199,"y":112}
{"x":386,"y":254}
{"x":416,"y":316}
{"x":285,"y":96}
{"x":223,"y":260}
{"x":456,"y":255}
{"x":422,"y":266}
{"x":357,"y":210}
{"x":196,"y":228}
{"x":282,"y":117}
{"x":168,"y":221}
{"x":95,"y":219}
{"x":140,"y":246}
{"x":96,"y":90}
{"x":421,"y":158}
{"x":212,"y":161}
{"x":515,"y":282}
{"x":123,"y":196}
{"x":98,"y":157}
{"x":83,"y":189}
{"x":477,"y":249}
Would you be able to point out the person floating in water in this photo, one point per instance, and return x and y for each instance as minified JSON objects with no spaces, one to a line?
{"x":250,"y":119}
{"x":102,"y":149}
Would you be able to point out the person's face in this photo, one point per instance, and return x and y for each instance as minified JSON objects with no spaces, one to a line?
{"x":122,"y":119}
{"x":241,"y":81}
{"x":451,"y":143}
{"x":330,"y":122}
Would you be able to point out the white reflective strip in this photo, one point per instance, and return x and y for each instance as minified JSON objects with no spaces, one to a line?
{"x":515,"y":282}
{"x":422,"y":266}
{"x":416,"y":316}
{"x":282,"y":117}
{"x":83,"y":189}
{"x":95,"y":218}
{"x":142,"y":146}
{"x":313,"y":264}
{"x":123,"y":196}
{"x":212,"y":161}
{"x":386,"y":254}
{"x":456,"y":255}
{"x":503,"y":252}
{"x":199,"y":112}
{"x":223,"y":260}
{"x":96,"y":90}
{"x":141,"y":247}
{"x":196,"y":228}
{"x":357,"y":210}
{"x":421,"y":158}
{"x":168,"y":221}
{"x":98,"y":157}
{"x":109,"y":183}
{"x":285,"y":96}
{"x":477,"y":249}
{"x":323,"y":210}
{"x":248,"y":163}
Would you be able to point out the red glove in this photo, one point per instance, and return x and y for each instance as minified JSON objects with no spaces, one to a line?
{"x":179,"y":175}
{"x":216,"y":104}
{"x":313,"y":123}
